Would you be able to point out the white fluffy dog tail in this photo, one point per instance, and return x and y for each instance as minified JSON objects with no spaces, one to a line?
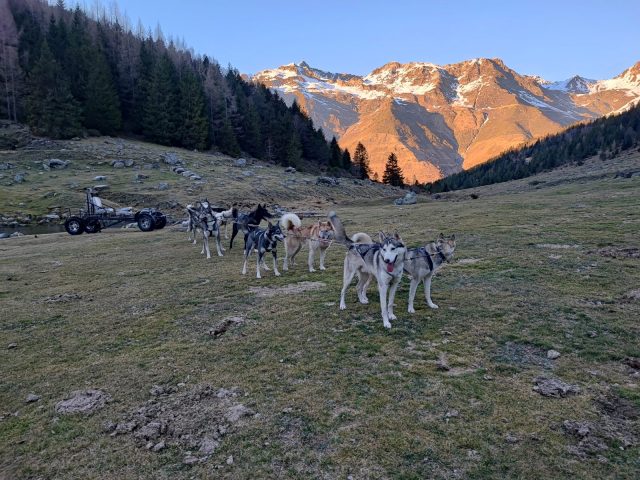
{"x":361,"y":237}
{"x":289,"y":221}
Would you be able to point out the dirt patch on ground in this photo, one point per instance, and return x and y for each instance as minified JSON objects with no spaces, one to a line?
{"x":195,"y":420}
{"x":222,"y":327}
{"x":619,"y":252}
{"x":552,"y":387}
{"x":290,"y":289}
{"x":523,"y":355}
{"x":633,"y":295}
{"x":63,"y":298}
{"x":558,"y":246}
{"x":83,"y":401}
{"x":616,"y":427}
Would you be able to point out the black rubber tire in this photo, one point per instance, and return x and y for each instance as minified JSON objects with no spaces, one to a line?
{"x":92,"y":227}
{"x":161,"y":223}
{"x":145,"y":222}
{"x":74,"y":226}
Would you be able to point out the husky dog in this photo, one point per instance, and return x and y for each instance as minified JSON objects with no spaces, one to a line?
{"x":383,"y":261}
{"x":248,"y":221}
{"x":263,"y":241}
{"x":318,"y":237}
{"x":223,"y":218}
{"x":422,"y":263}
{"x":204,"y":219}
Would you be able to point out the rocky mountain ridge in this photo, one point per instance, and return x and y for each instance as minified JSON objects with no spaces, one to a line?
{"x":441,"y":119}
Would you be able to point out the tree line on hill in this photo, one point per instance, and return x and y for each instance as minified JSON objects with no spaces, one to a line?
{"x":66,"y":72}
{"x":606,"y":137}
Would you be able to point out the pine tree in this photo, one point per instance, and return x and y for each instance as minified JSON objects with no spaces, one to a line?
{"x":294,"y":151}
{"x":51,"y":108}
{"x":162,"y":104}
{"x":392,"y":172}
{"x":361,"y":162}
{"x":335,"y":160}
{"x":227,"y":141}
{"x":194,"y":128}
{"x":102,"y":107}
{"x":346,"y":160}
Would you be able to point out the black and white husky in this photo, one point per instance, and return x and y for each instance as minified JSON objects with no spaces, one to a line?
{"x":423,"y":262}
{"x":248,"y":221}
{"x":204,"y":219}
{"x":383,"y":261}
{"x":263,"y":241}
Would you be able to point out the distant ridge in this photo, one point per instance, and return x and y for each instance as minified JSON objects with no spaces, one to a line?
{"x":442,"y":119}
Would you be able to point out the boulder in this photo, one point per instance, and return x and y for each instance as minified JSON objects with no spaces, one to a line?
{"x":53,"y":163}
{"x":100,"y":188}
{"x":171,"y":158}
{"x":19,"y":178}
{"x":13,"y":135}
{"x":129,"y":163}
{"x":408,"y":199}
{"x":83,"y":401}
{"x":289,"y":170}
{"x":163,"y":186}
{"x":195,"y":176}
{"x":6,"y":165}
{"x":117,"y":164}
{"x":240,"y":162}
{"x":140,"y":176}
{"x":99,"y":178}
{"x":330,"y":181}
{"x":16,"y":234}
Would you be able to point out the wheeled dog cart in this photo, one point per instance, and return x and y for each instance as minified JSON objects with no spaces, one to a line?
{"x":97,"y":216}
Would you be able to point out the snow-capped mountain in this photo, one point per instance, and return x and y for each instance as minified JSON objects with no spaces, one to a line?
{"x":440,"y":119}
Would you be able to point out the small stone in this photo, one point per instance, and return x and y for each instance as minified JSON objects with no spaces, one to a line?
{"x":158,"y":446}
{"x":554,"y":388}
{"x":108,"y":427}
{"x":442,"y":362}
{"x":230,"y":460}
{"x":487,"y":377}
{"x":452,"y":414}
{"x":32,"y":397}
{"x":511,"y":439}
{"x":553,"y":354}
{"x":190,"y":460}
{"x":12,"y":345}
{"x":99,"y":178}
{"x":208,"y":446}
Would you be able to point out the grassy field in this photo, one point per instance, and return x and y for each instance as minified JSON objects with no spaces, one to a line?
{"x":333,"y":394}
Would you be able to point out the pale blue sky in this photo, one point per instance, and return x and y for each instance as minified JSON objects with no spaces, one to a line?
{"x":555,"y":39}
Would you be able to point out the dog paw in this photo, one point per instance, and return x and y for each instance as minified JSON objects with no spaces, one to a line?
{"x":411,"y":310}
{"x":392,"y":317}
{"x":277,"y":274}
{"x":387,"y":325}
{"x":433,"y":305}
{"x":322,"y":267}
{"x":311,"y":270}
{"x":343,"y":306}
{"x":364,"y":301}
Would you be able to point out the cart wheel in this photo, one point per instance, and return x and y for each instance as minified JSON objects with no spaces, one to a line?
{"x":74,"y":226}
{"x":160,"y":223}
{"x":145,"y":222}
{"x":92,"y":227}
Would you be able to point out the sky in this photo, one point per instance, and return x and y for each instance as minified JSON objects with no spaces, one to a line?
{"x":554,"y":39}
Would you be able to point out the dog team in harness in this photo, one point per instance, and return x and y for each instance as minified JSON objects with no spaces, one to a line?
{"x":386,"y":260}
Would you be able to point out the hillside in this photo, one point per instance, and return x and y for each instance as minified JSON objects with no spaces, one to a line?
{"x":149,"y":180}
{"x":606,"y":137}
{"x":211,"y":374}
{"x":442,"y":119}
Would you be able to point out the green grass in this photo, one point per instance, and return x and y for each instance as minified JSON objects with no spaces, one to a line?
{"x":337,"y":394}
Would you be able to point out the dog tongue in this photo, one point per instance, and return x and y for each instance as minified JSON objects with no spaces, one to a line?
{"x":390,"y":267}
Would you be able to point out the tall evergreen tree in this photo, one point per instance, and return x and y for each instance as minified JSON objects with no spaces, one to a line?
{"x":346,"y":160}
{"x":392,"y":172}
{"x":335,"y":160}
{"x":227,"y":141}
{"x":162,"y":104}
{"x":102,"y":107}
{"x":52,"y":110}
{"x":361,"y":162}
{"x":194,"y":128}
{"x":294,"y":151}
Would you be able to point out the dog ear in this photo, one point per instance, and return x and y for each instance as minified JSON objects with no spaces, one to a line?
{"x":441,"y":236}
{"x":453,"y":237}
{"x":382,"y":236}
{"x":397,"y":237}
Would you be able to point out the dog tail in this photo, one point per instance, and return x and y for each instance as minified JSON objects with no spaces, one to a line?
{"x":289,"y":221}
{"x":361,"y":237}
{"x":338,"y":228}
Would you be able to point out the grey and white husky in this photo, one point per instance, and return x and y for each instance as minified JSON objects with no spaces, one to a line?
{"x":204,"y":219}
{"x":383,"y":261}
{"x":423,"y":262}
{"x":263,"y":240}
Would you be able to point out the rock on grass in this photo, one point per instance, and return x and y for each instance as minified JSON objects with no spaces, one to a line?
{"x":83,"y":401}
{"x":551,"y":387}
